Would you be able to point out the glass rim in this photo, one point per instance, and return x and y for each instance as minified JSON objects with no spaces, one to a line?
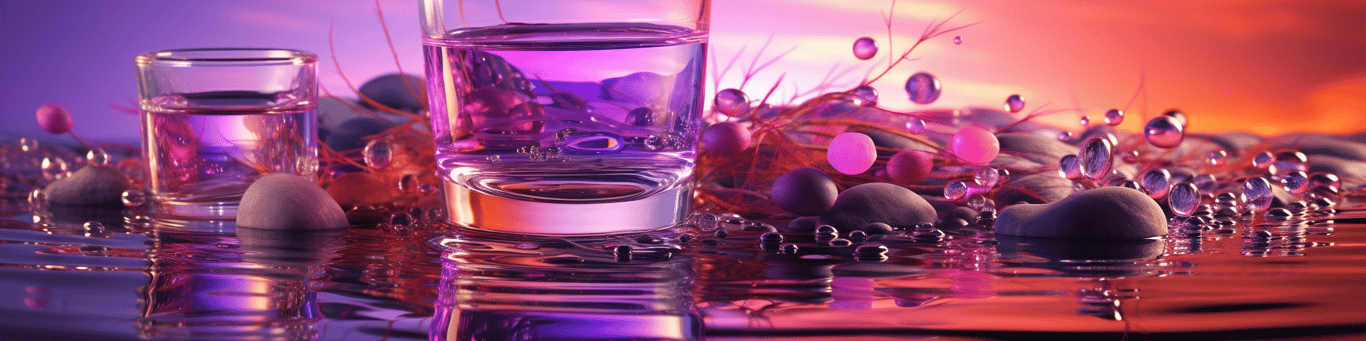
{"x":227,"y":56}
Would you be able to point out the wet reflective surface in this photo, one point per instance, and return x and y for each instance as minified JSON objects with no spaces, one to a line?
{"x":132,"y":278}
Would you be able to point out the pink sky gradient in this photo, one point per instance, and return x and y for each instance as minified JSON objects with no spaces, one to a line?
{"x":1263,"y":66}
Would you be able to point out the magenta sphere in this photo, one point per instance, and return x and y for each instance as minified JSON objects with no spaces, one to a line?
{"x":975,"y":145}
{"x":726,"y":138}
{"x":909,"y":167}
{"x":54,"y":119}
{"x":851,"y":153}
{"x":865,"y":48}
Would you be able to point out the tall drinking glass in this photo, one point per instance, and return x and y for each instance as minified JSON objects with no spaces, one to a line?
{"x":565,"y":117}
{"x":215,"y":120}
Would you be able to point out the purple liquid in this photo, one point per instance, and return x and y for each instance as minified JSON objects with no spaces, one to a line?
{"x":581,"y":113}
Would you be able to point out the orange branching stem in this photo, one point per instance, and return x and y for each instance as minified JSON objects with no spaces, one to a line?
{"x":333,"y":48}
{"x":498,"y":5}
{"x":932,"y":31}
{"x":1039,"y":112}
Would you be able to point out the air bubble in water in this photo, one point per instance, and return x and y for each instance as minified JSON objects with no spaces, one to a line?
{"x":1257,"y":193}
{"x":97,"y":157}
{"x":865,"y":48}
{"x":732,"y":102}
{"x":28,"y":144}
{"x":1183,"y":199}
{"x":1114,"y":117}
{"x":1295,"y":182}
{"x":923,"y":88}
{"x":1096,"y":158}
{"x":377,"y":153}
{"x":955,"y":190}
{"x":133,"y":197}
{"x":1014,"y":103}
{"x":1164,"y":132}
{"x":1069,"y":167}
{"x":54,"y":167}
{"x":957,"y":40}
{"x":1157,"y":182}
{"x":641,"y":117}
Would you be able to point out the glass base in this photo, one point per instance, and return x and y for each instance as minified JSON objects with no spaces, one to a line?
{"x":195,"y":211}
{"x":483,"y":211}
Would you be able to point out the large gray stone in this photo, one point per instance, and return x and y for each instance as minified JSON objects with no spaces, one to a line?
{"x":878,"y":202}
{"x":90,"y":186}
{"x":288,"y":202}
{"x":1102,"y":213}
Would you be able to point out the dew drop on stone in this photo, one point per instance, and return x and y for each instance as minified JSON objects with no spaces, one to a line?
{"x":1263,"y":160}
{"x":1295,"y":182}
{"x":1003,"y":176}
{"x":1084,"y":121}
{"x":915,"y":125}
{"x":987,"y":177}
{"x":732,"y":102}
{"x":37,"y":197}
{"x":1014,"y":103}
{"x":1097,"y":157}
{"x":97,"y":157}
{"x":1217,"y":158}
{"x":1164,"y":132}
{"x":1325,"y":180}
{"x":1114,"y":117}
{"x":1065,"y":136}
{"x":1183,"y":199}
{"x":28,"y":144}
{"x":864,"y":95}
{"x":54,"y":167}
{"x":377,"y":153}
{"x":865,"y":48}
{"x":955,"y":190}
{"x":1179,"y":116}
{"x":923,"y":88}
{"x":958,"y":40}
{"x":1131,"y":184}
{"x":133,"y":197}
{"x":1257,"y":193}
{"x":1069,"y":167}
{"x":1157,"y":182}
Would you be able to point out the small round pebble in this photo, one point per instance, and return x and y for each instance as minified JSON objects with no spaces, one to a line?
{"x":879,"y":202}
{"x":909,"y":167}
{"x":1102,"y":213}
{"x":288,"y":202}
{"x":390,"y":91}
{"x":876,"y":228}
{"x":851,"y":153}
{"x":726,"y":138}
{"x":804,"y":191}
{"x":804,"y":224}
{"x":90,"y":186}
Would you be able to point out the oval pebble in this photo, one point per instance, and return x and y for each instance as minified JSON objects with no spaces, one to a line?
{"x":726,"y":138}
{"x":804,"y":191}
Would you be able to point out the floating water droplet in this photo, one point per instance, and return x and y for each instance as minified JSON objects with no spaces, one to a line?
{"x":1179,"y":116}
{"x":1065,"y":136}
{"x":37,"y":198}
{"x":1183,"y":199}
{"x":1325,"y":180}
{"x":1257,"y":193}
{"x":1164,"y":132}
{"x":864,"y":96}
{"x":1295,"y":182}
{"x":955,"y":190}
{"x":1289,"y":161}
{"x":1014,"y":103}
{"x":1263,"y":160}
{"x":1114,"y":117}
{"x":915,"y":125}
{"x":377,"y":153}
{"x":1096,"y":158}
{"x":923,"y":88}
{"x":1217,"y":158}
{"x":1084,"y":121}
{"x":133,"y":197}
{"x":1157,"y":182}
{"x":958,"y":40}
{"x":28,"y":144}
{"x":1069,"y":167}
{"x":865,"y":48}
{"x":54,"y":167}
{"x":732,"y":102}
{"x":987,"y":177}
{"x":97,"y":157}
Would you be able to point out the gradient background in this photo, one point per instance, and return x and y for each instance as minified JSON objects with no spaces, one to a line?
{"x":1264,"y":66}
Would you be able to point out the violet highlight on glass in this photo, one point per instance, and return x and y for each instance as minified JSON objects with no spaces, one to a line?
{"x":215,"y":120}
{"x":566,"y":117}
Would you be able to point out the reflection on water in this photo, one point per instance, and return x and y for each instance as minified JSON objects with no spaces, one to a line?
{"x":128,"y":278}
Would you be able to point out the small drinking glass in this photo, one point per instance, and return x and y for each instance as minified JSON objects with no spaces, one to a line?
{"x":565,"y":117}
{"x":215,"y":120}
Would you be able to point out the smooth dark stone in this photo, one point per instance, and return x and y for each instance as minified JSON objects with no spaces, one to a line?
{"x":876,"y":228}
{"x":803,"y":225}
{"x":1034,"y":189}
{"x":288,"y":202}
{"x":390,"y":91}
{"x":804,"y":191}
{"x":639,"y":87}
{"x":350,"y":134}
{"x":960,"y":212}
{"x":89,"y":186}
{"x":1102,"y":213}
{"x":879,"y":202}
